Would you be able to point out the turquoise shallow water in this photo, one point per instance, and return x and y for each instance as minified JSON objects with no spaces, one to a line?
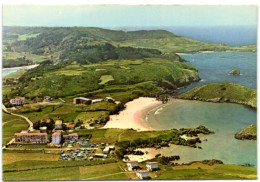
{"x":225,"y":119}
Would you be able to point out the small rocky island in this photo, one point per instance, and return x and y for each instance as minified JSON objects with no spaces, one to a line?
{"x":235,"y":71}
{"x":249,"y":133}
{"x":222,"y":92}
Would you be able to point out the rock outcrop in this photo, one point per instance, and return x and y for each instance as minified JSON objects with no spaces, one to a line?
{"x":235,"y":71}
{"x":249,"y":133}
{"x":222,"y":92}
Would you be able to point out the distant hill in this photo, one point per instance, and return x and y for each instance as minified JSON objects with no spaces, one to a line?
{"x":222,"y":92}
{"x":50,"y":40}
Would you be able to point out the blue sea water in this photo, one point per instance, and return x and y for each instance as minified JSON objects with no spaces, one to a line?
{"x":214,"y":67}
{"x":229,"y":35}
{"x":225,"y":119}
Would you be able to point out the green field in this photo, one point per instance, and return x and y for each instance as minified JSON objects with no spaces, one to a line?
{"x":58,"y":170}
{"x":80,"y":170}
{"x":180,"y":45}
{"x":15,"y":55}
{"x":26,"y":36}
{"x":10,"y":125}
{"x":198,"y":171}
{"x":105,"y":78}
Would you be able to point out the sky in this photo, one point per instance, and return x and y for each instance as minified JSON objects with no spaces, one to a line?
{"x":131,"y":15}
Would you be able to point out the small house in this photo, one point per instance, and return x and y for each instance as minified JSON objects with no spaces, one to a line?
{"x":47,"y":99}
{"x":48,"y":120}
{"x":70,"y":126}
{"x":110,"y":99}
{"x":56,"y":138}
{"x":82,"y":100}
{"x":97,"y":100}
{"x":142,"y":174}
{"x":131,"y":165}
{"x":107,"y":149}
{"x":72,"y":136}
{"x":58,"y":124}
{"x":151,"y":166}
{"x":43,"y":129}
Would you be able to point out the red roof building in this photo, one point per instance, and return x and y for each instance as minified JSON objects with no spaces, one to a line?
{"x":25,"y":137}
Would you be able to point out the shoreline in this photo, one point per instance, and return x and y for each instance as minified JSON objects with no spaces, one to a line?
{"x":197,"y":52}
{"x":20,"y":67}
{"x":133,"y":115}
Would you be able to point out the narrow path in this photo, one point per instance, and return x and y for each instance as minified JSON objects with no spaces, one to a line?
{"x":62,"y":100}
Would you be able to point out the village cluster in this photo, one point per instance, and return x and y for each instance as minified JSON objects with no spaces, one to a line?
{"x":67,"y":142}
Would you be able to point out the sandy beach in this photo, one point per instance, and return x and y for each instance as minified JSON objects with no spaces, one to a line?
{"x":30,"y":66}
{"x":149,"y":153}
{"x":131,"y":117}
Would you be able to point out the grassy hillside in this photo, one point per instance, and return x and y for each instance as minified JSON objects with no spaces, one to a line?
{"x":73,"y":79}
{"x":222,"y":92}
{"x":249,"y":133}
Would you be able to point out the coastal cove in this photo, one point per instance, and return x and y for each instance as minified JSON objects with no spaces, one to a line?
{"x":225,"y":119}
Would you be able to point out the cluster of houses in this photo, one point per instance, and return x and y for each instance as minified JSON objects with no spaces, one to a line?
{"x":87,"y":101}
{"x":142,"y":174}
{"x":19,"y":101}
{"x":59,"y":125}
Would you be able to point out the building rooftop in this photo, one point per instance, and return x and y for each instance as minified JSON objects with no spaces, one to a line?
{"x":82,"y":98}
{"x":142,"y":171}
{"x":72,"y":134}
{"x":30,"y":134}
{"x":109,"y":98}
{"x":131,"y":161}
{"x":151,"y":162}
{"x":56,"y":134}
{"x":58,"y":122}
{"x":69,"y":125}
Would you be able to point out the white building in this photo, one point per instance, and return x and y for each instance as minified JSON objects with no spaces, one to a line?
{"x":107,"y":149}
{"x":43,"y":129}
{"x":110,"y":99}
{"x":142,"y":174}
{"x":97,"y":100}
{"x":131,"y":164}
{"x":56,"y":138}
{"x":151,"y":166}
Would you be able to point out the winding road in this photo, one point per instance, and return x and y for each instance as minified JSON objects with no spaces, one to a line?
{"x":18,"y":115}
